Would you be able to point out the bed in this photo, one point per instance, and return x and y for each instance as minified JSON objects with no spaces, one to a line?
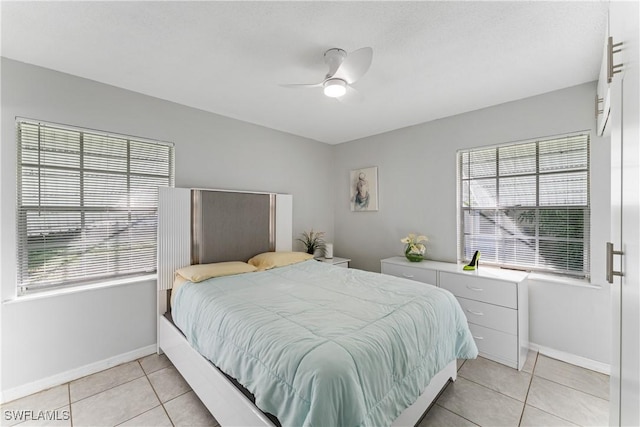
{"x":314,"y":344}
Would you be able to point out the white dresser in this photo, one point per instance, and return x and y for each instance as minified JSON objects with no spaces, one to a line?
{"x":495,"y":302}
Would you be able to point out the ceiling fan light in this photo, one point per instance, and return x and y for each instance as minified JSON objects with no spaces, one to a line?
{"x":335,"y":88}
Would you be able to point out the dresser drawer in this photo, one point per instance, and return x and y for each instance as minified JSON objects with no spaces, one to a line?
{"x":491,"y":316}
{"x":497,"y":344}
{"x":413,"y":273}
{"x":480,"y":289}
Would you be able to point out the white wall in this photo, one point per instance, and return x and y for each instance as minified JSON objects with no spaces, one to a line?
{"x":46,"y":337}
{"x":417,"y":184}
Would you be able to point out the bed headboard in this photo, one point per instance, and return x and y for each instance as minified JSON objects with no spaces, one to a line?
{"x":198,"y":226}
{"x":228,"y":226}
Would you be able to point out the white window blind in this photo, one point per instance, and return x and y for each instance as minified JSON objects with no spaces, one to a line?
{"x":526,"y":205}
{"x":87,"y":204}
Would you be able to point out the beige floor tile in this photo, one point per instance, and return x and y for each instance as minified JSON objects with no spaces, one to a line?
{"x":156,"y":417}
{"x":567,"y":403}
{"x":440,"y":417}
{"x":459,"y":363}
{"x":168,"y":383}
{"x":534,"y":417}
{"x":46,"y":400}
{"x":530,"y":363}
{"x":573,"y":376}
{"x":497,"y":376}
{"x":104,"y":380}
{"x":480,"y":405}
{"x":154,"y":362}
{"x":115,"y":405}
{"x":187,"y":410}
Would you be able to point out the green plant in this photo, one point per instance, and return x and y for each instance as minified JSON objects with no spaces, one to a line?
{"x":312,"y":241}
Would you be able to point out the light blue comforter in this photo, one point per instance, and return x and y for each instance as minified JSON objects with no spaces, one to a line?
{"x":320,"y":345}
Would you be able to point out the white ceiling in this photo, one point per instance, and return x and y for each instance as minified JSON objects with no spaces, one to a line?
{"x":431,"y":59}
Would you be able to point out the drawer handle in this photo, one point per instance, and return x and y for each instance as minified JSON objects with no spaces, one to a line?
{"x":407,"y":275}
{"x":478,"y":338}
{"x":477,"y":313}
{"x":474,"y":289}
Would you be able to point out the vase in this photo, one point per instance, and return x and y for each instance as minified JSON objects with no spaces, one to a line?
{"x":413,"y":257}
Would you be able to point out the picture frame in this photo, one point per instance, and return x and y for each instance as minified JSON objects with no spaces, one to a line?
{"x":364,"y":189}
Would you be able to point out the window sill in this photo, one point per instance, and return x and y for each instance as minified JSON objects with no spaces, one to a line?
{"x":80,"y":288}
{"x":548,"y":278}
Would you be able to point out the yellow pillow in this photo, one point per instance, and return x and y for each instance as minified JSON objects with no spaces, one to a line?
{"x":268,"y":260}
{"x":199,"y":272}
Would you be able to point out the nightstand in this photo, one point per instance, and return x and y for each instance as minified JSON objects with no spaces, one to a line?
{"x":337,"y":261}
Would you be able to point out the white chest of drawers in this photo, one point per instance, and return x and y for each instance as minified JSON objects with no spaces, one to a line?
{"x":495,"y":302}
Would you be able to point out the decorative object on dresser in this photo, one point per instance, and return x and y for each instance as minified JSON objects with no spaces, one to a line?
{"x":415,"y":247}
{"x":474,"y":263}
{"x":364,"y":189}
{"x":494,"y":300}
{"x":313,"y":242}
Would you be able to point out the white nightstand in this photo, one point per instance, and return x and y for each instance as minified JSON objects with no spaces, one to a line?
{"x":495,"y":302}
{"x":337,"y":261}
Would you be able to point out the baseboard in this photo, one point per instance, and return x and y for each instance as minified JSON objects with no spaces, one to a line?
{"x":74,"y":374}
{"x":583,"y":362}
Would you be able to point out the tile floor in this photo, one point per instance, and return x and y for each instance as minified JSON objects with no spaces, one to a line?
{"x":146,"y":392}
{"x":547,"y":392}
{"x":150,"y":392}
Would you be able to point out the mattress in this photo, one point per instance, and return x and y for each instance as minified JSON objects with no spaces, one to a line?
{"x":323,"y":345}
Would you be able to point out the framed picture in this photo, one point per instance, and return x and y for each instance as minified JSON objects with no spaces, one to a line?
{"x":364,"y":189}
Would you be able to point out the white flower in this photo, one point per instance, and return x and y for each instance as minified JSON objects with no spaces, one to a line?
{"x":415,"y":243}
{"x":417,"y":249}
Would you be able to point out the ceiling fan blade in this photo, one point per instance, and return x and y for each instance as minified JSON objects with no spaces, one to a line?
{"x":351,"y":97}
{"x":297,"y":86}
{"x":354,"y":65}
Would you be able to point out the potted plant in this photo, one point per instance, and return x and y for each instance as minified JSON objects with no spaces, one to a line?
{"x":313,"y":242}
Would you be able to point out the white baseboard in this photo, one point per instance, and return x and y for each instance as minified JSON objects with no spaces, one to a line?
{"x":583,"y":362}
{"x":74,"y":374}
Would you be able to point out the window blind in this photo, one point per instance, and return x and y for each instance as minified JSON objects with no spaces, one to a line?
{"x":87,"y":204}
{"x":526,"y":205}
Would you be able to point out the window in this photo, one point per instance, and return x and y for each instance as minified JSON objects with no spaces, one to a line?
{"x":526,"y":205}
{"x":87,"y":204}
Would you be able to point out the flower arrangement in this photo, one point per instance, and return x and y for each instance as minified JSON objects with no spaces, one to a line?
{"x":313,"y":241}
{"x":415,"y":247}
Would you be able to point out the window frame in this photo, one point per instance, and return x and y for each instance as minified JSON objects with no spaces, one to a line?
{"x":504,"y":210}
{"x":26,"y":285}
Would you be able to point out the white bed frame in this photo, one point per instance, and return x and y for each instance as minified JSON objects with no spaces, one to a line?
{"x":222,"y":398}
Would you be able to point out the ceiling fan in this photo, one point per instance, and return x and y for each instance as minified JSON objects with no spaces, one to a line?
{"x":344,"y":70}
